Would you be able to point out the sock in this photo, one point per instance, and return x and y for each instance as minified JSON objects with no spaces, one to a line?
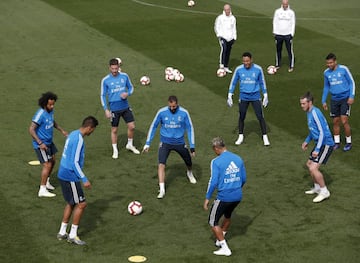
{"x":114,"y":145}
{"x":73,"y":231}
{"x":224,"y":233}
{"x":223,"y":244}
{"x":130,"y":141}
{"x":323,"y":189}
{"x":43,"y":188}
{"x":337,"y":138}
{"x":348,"y":139}
{"x":162,"y":187}
{"x":63,"y":227}
{"x":316,"y":186}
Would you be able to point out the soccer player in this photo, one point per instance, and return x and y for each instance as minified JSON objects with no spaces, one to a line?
{"x":70,"y":174}
{"x":225,"y":30}
{"x":320,"y":133}
{"x":174,"y":121}
{"x":284,"y":31}
{"x":41,"y":131}
{"x":341,"y":85}
{"x":251,"y":80}
{"x":228,"y":176}
{"x":117,"y":87}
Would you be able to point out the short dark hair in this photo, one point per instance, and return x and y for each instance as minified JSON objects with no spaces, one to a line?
{"x":113,"y":61}
{"x":308,"y":96}
{"x":45,"y":97}
{"x":247,"y":54}
{"x":172,"y":98}
{"x":331,"y":56}
{"x":90,"y":121}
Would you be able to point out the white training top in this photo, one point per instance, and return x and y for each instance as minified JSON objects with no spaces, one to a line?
{"x":225,"y":27}
{"x":284,"y":22}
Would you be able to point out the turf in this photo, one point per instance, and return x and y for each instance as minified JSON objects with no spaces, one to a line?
{"x":64,"y":46}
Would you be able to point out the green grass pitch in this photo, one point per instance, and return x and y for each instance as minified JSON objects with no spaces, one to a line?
{"x":64,"y":46}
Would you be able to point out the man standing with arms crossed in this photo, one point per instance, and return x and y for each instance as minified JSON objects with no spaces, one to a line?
{"x":284,"y":30}
{"x":225,"y":30}
{"x":228,"y":176}
{"x":341,"y":85}
{"x":117,"y":87}
{"x":320,"y":133}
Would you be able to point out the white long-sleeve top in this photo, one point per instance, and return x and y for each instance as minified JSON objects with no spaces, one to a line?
{"x":284,"y":22}
{"x":225,"y":27}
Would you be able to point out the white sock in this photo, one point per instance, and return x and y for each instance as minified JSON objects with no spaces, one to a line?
{"x":114,"y":145}
{"x":316,"y":186}
{"x":324,"y":189}
{"x":162,"y":187}
{"x":337,"y":138}
{"x":224,"y":233}
{"x":73,"y":231}
{"x":223,"y":244}
{"x":43,"y":188}
{"x":63,"y":227}
{"x":130,"y":141}
{"x":348,"y":139}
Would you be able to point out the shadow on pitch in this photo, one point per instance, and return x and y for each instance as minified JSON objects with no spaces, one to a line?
{"x":250,"y":126}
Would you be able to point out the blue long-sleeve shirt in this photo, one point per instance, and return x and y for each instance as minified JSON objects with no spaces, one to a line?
{"x":339,"y":83}
{"x":72,"y":160}
{"x":251,"y":82}
{"x":318,"y":128}
{"x":45,"y":127}
{"x":173,"y":127}
{"x":228,"y":175}
{"x":111,"y":89}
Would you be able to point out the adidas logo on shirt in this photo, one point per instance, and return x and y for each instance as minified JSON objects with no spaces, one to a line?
{"x":232,"y":169}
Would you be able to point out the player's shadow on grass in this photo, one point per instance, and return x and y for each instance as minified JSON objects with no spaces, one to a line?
{"x":139,"y":138}
{"x":251,"y":126}
{"x":92,"y":216}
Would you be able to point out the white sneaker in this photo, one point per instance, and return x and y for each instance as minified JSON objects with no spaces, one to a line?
{"x":321,"y":197}
{"x":115,"y":155}
{"x":45,"y":193}
{"x":161,"y":195}
{"x":191,"y":177}
{"x":312,"y":191}
{"x":240,"y":139}
{"x":132,"y":148}
{"x":223,"y":252}
{"x":228,"y":70}
{"x":266,"y":140}
{"x":49,"y":186}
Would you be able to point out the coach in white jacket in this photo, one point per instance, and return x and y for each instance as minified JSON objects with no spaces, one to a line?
{"x":225,"y":30}
{"x":284,"y":30}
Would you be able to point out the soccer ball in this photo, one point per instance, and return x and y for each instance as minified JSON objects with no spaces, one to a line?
{"x":169,"y":70}
{"x":191,"y":3}
{"x":135,"y":208}
{"x":271,"y":70}
{"x":175,"y":72}
{"x":169,"y":76}
{"x":144,"y":80}
{"x":179,"y":78}
{"x":221,"y":72}
{"x":119,"y":61}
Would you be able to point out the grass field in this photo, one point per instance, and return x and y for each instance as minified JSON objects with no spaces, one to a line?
{"x":64,"y":46}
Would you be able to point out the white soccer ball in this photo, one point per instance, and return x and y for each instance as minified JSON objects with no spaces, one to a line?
{"x":221,"y":72}
{"x":135,"y":208}
{"x":169,"y":70}
{"x":271,"y":70}
{"x":191,"y":3}
{"x":119,"y":61}
{"x":176,"y":72}
{"x":169,"y":76}
{"x":179,"y":78}
{"x":144,"y":80}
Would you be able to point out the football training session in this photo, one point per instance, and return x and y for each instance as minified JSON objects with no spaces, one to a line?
{"x":180,"y":131}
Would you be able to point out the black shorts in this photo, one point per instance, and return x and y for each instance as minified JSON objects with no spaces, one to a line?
{"x":72,"y":192}
{"x":126,"y":114}
{"x":181,"y":149}
{"x":323,"y":156}
{"x":339,"y":108}
{"x":219,"y":209}
{"x":46,"y":155}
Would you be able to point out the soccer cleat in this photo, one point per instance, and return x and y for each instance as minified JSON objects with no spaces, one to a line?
{"x":240,"y":139}
{"x":132,"y":148}
{"x":290,"y":69}
{"x":62,"y":237}
{"x":161,"y":195}
{"x":266,"y":140}
{"x":336,"y":146}
{"x":312,"y":191}
{"x":49,"y":186}
{"x":115,"y":155}
{"x":223,"y":252}
{"x":321,"y":197}
{"x":191,"y":177}
{"x":227,"y":70}
{"x":76,"y":240}
{"x":45,"y":193}
{"x":347,"y":147}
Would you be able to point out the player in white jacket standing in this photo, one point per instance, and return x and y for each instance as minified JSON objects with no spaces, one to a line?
{"x":225,"y":30}
{"x":284,"y":30}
